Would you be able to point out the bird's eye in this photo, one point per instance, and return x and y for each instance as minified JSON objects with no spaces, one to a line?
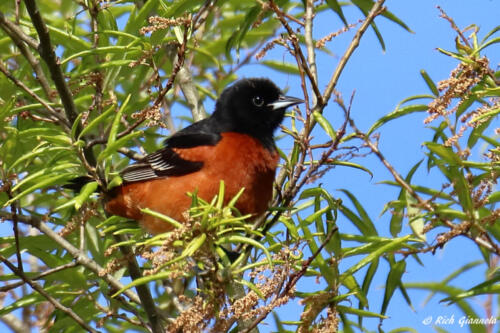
{"x":258,"y":101}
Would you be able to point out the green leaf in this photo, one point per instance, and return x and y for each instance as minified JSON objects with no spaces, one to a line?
{"x":462,"y":190}
{"x":446,"y":153}
{"x":178,"y":7}
{"x":194,"y":245}
{"x":451,"y":213}
{"x":330,"y":275}
{"x":43,"y":172}
{"x":98,"y":120}
{"x":164,"y":274}
{"x":477,"y":132}
{"x":281,"y":66}
{"x":45,"y":181}
{"x":457,"y":56}
{"x":386,"y":248}
{"x":252,"y":287}
{"x":116,"y":121}
{"x":494,"y":197}
{"x":335,"y":6}
{"x":370,"y":273}
{"x":358,"y":312}
{"x":76,"y":124}
{"x":108,"y":64}
{"x":23,"y":302}
{"x":429,"y":82}
{"x":102,"y":50}
{"x":358,"y":223}
{"x":113,"y":147}
{"x":351,"y":165}
{"x":368,"y":228}
{"x":241,"y":239}
{"x":393,"y":281}
{"x":390,"y":16}
{"x":416,"y":220}
{"x":490,"y":33}
{"x":350,"y":283}
{"x":490,"y":114}
{"x":85,"y":193}
{"x":399,"y":112}
{"x":365,"y":6}
{"x":421,"y":189}
{"x":319,"y":192}
{"x":325,"y":124}
{"x":239,"y":33}
{"x":41,"y":150}
{"x":162,"y":217}
{"x":485,"y":45}
{"x":138,"y":19}
{"x":488,"y":287}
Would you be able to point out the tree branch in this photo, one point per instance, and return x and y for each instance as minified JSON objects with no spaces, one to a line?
{"x":181,"y":53}
{"x":16,"y":324}
{"x":33,"y":61}
{"x":80,"y":257}
{"x":52,"y":300}
{"x":17,"y":32}
{"x":48,"y":55}
{"x":311,"y":55}
{"x":190,"y":92}
{"x":293,"y":279}
{"x":50,"y":110}
{"x":302,"y":62}
{"x":147,"y":301}
{"x":38,"y":277}
{"x":376,"y":10}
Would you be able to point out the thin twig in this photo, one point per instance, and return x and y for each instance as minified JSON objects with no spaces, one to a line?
{"x":49,"y":298}
{"x":397,"y":177}
{"x":292,"y":18}
{"x":190,"y":93}
{"x":298,"y":51}
{"x":79,"y":256}
{"x":294,"y":278}
{"x":16,"y":324}
{"x":374,"y":12}
{"x":51,"y":112}
{"x":32,"y":60}
{"x":147,"y":301}
{"x":130,"y":153}
{"x":39,"y":276}
{"x":14,"y":29}
{"x":311,"y":54}
{"x":454,"y":27}
{"x":181,"y":53}
{"x":488,"y":244}
{"x":48,"y":55}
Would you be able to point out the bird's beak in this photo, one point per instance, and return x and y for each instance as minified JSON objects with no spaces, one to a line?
{"x":284,"y":102}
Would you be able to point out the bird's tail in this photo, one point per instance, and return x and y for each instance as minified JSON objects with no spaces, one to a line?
{"x":77,"y":183}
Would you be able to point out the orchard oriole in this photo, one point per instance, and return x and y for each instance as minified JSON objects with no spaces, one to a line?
{"x":235,"y":144}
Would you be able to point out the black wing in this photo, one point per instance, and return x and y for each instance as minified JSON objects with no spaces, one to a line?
{"x":166,"y":162}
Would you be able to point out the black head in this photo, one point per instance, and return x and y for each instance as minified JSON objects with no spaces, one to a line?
{"x":253,"y":106}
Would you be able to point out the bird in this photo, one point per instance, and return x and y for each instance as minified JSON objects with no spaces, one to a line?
{"x":235,"y":144}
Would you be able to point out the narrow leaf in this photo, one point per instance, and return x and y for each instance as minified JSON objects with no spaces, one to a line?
{"x":393,"y":281}
{"x":429,"y":82}
{"x":387,"y":248}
